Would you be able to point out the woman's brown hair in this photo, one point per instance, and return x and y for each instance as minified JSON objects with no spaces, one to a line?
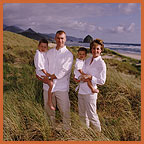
{"x":95,"y":42}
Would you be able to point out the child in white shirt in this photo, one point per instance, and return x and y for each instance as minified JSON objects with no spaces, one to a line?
{"x":78,"y":72}
{"x":40,"y":64}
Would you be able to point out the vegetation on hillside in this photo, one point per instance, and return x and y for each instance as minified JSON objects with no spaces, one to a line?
{"x":119,"y":100}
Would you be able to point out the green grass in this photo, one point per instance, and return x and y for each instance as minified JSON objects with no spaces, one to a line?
{"x":24,"y":119}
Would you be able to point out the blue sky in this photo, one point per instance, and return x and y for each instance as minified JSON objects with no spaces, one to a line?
{"x":112,"y":22}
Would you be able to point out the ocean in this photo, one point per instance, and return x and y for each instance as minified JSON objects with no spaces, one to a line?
{"x":118,"y":47}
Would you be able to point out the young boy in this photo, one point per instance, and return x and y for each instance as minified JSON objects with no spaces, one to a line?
{"x":82,"y":53}
{"x":40,"y":64}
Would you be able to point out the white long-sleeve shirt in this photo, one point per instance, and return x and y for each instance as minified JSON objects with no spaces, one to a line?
{"x":59,"y":63}
{"x":40,"y":62}
{"x":97,"y":69}
{"x":78,"y":66}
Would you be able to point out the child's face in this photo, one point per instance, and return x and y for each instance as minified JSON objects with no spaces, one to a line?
{"x":81,"y":55}
{"x":43,"y":47}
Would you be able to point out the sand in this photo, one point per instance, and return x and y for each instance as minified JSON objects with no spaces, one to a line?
{"x":135,"y":56}
{"x":51,"y":45}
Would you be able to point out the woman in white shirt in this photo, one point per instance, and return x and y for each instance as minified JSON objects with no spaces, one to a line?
{"x":95,"y":68}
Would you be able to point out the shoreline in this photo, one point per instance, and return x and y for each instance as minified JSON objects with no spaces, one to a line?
{"x":131,"y":55}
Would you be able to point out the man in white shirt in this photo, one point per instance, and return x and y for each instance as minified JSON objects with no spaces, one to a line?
{"x":59,"y":65}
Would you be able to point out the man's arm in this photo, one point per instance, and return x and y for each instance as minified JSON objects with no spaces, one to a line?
{"x":53,"y":77}
{"x":39,"y":78}
{"x":44,"y":71}
{"x":44,"y":80}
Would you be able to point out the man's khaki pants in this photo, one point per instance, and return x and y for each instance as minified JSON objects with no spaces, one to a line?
{"x":87,"y":110}
{"x":62,"y":100}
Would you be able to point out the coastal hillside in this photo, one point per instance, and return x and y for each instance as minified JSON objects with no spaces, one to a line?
{"x":119,"y":100}
{"x":30,"y":33}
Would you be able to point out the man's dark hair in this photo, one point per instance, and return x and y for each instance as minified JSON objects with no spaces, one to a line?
{"x":43,"y":41}
{"x":82,"y":49}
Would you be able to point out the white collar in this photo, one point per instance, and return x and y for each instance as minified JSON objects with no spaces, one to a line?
{"x":61,"y":49}
{"x":97,"y":58}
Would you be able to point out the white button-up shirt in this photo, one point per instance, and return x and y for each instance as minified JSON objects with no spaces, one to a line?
{"x":40,"y":62}
{"x":78,"y":66}
{"x":59,"y":63}
{"x":97,"y":69}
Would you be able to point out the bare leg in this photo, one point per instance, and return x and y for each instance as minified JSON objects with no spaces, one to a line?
{"x":91,"y":87}
{"x":50,"y":104}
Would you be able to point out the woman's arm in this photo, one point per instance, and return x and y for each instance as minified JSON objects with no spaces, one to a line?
{"x":81,"y":72}
{"x":76,"y":80}
{"x":99,"y":79}
{"x":86,"y":78}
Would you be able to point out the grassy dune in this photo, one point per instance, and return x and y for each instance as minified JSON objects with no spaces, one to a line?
{"x":119,"y":100}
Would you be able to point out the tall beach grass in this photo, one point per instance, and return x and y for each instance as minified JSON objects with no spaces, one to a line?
{"x":24,"y":119}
